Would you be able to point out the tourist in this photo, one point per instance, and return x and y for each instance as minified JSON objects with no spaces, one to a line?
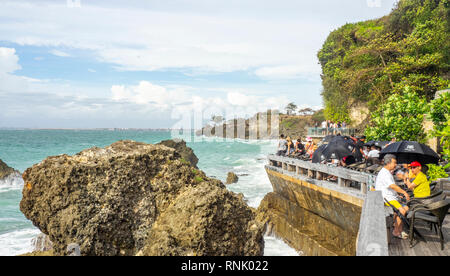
{"x":290,"y":146}
{"x":386,"y":184}
{"x":324,"y":127}
{"x":393,"y":140}
{"x":282,"y":146}
{"x":347,"y":160}
{"x":420,"y":185}
{"x":374,"y":152}
{"x":299,"y":147}
{"x":309,"y":147}
{"x":366,"y":151}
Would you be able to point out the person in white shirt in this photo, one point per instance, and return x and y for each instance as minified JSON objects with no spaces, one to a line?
{"x":386,"y":184}
{"x":374,"y":152}
{"x":324,"y":127}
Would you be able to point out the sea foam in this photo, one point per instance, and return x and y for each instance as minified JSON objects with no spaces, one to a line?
{"x":11,"y":182}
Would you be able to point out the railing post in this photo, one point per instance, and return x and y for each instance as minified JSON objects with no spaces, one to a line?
{"x":319,"y":175}
{"x":364,"y":188}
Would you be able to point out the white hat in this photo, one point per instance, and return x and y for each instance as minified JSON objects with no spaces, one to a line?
{"x":309,"y":139}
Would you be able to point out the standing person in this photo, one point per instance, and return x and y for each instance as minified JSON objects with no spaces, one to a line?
{"x":324,"y":127}
{"x":420,"y":185}
{"x":316,"y":126}
{"x":282,"y":146}
{"x":386,"y":184}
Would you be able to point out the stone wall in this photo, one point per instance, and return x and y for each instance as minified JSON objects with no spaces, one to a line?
{"x":310,"y":218}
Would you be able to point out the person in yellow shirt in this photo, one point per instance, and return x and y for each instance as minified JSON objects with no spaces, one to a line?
{"x":420,"y":185}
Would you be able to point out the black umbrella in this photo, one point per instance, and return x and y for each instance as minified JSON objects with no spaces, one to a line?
{"x":338,"y":150}
{"x":409,"y":151}
{"x":317,"y":156}
{"x":328,"y":138}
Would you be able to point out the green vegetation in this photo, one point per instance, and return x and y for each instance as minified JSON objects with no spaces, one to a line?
{"x":198,"y":179}
{"x":184,"y":161}
{"x":407,"y":51}
{"x":400,"y":117}
{"x":435,"y":172}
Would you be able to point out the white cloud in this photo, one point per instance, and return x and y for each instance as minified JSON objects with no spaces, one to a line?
{"x":147,"y":93}
{"x":9,"y":60}
{"x":164,"y":37}
{"x":184,"y":100}
{"x":59,"y":53}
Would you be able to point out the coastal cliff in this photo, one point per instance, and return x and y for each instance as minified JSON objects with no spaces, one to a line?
{"x":263,"y":125}
{"x":364,"y":63}
{"x":133,"y":198}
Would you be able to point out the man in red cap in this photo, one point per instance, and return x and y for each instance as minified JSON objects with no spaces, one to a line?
{"x":420,"y":186}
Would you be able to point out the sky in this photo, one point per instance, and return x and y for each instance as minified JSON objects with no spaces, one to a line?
{"x":163,"y":64}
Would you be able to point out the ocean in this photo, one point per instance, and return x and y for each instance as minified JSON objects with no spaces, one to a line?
{"x":21,"y":149}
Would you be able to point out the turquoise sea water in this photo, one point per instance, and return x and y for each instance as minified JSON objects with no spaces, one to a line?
{"x":21,"y":149}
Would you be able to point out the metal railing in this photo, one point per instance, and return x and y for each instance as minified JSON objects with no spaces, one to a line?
{"x":345,"y":177}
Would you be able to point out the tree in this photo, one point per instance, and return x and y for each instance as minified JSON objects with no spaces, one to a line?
{"x":365,"y":62}
{"x":440,"y":115}
{"x":306,"y":111}
{"x":401,"y":117}
{"x":290,"y":108}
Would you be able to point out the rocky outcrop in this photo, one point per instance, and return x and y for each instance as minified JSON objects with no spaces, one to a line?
{"x":180,"y":146}
{"x":6,"y":171}
{"x":232,"y":178}
{"x":263,"y":125}
{"x":133,"y":198}
{"x":205,"y":220}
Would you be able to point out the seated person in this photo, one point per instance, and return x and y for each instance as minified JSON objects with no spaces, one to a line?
{"x":366,"y":150}
{"x":374,"y":152}
{"x":347,"y":160}
{"x":386,"y":184}
{"x":290,"y":147}
{"x":420,"y":185}
{"x":299,"y":147}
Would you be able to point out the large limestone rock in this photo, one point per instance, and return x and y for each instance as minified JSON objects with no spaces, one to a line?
{"x":180,"y":146}
{"x":232,"y":178}
{"x":205,"y":220}
{"x":134,"y":198}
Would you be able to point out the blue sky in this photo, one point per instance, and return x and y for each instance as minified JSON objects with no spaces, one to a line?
{"x":98,"y":63}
